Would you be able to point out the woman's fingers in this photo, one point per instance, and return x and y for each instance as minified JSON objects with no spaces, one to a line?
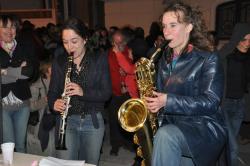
{"x":74,"y":89}
{"x":151,"y":104}
{"x":154,"y":104}
{"x":59,"y":105}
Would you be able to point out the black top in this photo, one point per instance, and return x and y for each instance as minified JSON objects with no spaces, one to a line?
{"x":237,"y":63}
{"x":22,"y":52}
{"x":94,"y":79}
{"x":79,"y":77}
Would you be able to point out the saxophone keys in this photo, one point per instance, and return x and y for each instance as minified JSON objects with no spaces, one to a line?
{"x":139,"y":152}
{"x":136,"y":139}
{"x":143,"y":163}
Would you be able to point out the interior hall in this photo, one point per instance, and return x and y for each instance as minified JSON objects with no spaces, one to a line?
{"x":35,"y":73}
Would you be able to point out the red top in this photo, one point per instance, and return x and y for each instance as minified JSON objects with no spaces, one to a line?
{"x":121,"y":61}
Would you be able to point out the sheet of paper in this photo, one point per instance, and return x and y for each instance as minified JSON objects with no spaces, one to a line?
{"x":52,"y":161}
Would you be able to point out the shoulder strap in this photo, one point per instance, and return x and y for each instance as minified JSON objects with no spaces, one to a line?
{"x":45,"y":88}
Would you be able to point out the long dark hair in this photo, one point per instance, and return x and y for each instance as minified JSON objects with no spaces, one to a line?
{"x":190,"y":15}
{"x":78,"y":26}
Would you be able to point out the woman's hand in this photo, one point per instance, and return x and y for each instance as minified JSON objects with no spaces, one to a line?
{"x":59,"y":105}
{"x":73,"y":89}
{"x":118,"y":47}
{"x":154,"y":104}
{"x":23,"y":64}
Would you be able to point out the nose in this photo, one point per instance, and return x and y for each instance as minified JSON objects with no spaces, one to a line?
{"x":69,"y":47}
{"x":166,"y":31}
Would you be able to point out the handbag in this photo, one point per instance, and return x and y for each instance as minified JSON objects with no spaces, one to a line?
{"x":34,"y":118}
{"x":34,"y":115}
{"x":48,"y":120}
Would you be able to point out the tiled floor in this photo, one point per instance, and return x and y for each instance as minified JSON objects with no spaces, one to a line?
{"x":125,"y":157}
{"x":245,"y":149}
{"x":245,"y":155}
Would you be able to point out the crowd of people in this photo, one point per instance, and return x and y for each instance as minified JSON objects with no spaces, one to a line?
{"x":199,"y":95}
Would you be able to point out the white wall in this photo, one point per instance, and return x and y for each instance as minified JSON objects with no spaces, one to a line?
{"x":132,"y":12}
{"x":143,"y":12}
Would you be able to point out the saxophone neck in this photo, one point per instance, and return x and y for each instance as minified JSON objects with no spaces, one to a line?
{"x":159,"y":49}
{"x":154,"y":54}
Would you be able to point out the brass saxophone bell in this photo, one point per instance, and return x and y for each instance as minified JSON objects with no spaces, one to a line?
{"x":133,"y":114}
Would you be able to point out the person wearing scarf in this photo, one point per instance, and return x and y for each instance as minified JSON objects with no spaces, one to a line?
{"x":18,"y":65}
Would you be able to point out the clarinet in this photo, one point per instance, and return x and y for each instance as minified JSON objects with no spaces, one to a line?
{"x":61,"y":145}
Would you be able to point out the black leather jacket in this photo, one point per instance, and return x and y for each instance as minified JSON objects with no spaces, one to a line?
{"x":194,"y":92}
{"x":98,"y":88}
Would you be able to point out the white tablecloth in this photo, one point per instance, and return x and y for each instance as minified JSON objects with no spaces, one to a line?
{"x":22,"y":159}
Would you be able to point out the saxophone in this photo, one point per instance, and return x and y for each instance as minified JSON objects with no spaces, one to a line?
{"x":61,"y":145}
{"x":133,"y":114}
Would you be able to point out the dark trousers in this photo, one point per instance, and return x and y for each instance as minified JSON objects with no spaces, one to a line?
{"x":118,"y":136}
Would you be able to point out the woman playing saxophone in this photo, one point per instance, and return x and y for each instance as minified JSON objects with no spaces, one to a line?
{"x":189,"y":92}
{"x":88,"y":89}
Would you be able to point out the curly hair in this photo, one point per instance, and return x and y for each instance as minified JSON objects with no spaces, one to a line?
{"x":189,"y":15}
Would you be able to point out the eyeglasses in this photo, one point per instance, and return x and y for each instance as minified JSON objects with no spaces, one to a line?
{"x":12,"y":27}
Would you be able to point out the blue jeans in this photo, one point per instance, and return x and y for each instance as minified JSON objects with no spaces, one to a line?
{"x":83,"y":141}
{"x":15,"y":126}
{"x":170,"y":148}
{"x":233,"y":110}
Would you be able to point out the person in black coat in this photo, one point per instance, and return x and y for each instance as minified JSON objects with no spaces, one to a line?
{"x":189,"y":91}
{"x":236,"y":59}
{"x":88,"y":89}
{"x":18,"y":65}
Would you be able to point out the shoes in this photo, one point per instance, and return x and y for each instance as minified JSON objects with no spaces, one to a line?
{"x":114,"y":151}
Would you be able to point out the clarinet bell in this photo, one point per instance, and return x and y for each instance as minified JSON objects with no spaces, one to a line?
{"x":61,"y":145}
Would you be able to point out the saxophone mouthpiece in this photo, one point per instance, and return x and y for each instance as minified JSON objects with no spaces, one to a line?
{"x":165,"y":44}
